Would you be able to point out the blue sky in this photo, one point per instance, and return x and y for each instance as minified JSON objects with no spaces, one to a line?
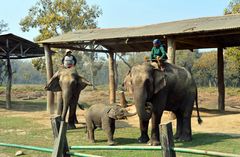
{"x":122,"y":13}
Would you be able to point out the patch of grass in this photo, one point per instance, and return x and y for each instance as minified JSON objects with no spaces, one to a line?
{"x":24,"y":131}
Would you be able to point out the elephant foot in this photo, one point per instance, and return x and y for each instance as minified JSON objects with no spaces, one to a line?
{"x":111,"y":143}
{"x":176,"y":136}
{"x":184,"y":139}
{"x":153,"y":143}
{"x":92,"y":141}
{"x":71,"y":126}
{"x":143,"y":139}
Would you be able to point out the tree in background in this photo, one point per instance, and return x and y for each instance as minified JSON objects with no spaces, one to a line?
{"x":3,"y":28}
{"x":204,"y":69}
{"x":55,"y":17}
{"x":232,"y":67}
{"x":232,"y":55}
{"x":233,"y":7}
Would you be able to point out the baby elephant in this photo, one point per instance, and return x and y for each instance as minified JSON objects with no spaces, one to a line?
{"x":104,"y":116}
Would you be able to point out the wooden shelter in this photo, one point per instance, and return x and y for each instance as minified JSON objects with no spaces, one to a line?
{"x":207,"y":32}
{"x":15,"y":47}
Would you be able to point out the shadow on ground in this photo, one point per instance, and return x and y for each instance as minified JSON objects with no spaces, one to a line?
{"x":205,"y":139}
{"x":25,"y":105}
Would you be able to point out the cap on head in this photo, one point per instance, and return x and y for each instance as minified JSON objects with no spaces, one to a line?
{"x":156,"y":41}
{"x":68,"y":51}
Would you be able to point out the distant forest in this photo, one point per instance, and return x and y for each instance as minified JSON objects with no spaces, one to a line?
{"x":95,"y":67}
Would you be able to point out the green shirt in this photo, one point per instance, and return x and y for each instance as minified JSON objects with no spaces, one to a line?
{"x":158,"y":52}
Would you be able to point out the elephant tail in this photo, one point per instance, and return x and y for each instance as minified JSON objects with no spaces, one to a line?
{"x":198,"y":114}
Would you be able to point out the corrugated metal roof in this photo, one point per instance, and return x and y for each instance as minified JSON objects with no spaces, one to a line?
{"x":204,"y":24}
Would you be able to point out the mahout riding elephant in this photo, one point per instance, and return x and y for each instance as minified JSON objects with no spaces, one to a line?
{"x":68,"y":84}
{"x":104,"y":116}
{"x":154,"y":91}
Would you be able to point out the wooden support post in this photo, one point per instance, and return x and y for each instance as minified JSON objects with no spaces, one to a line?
{"x":221,"y":86}
{"x":166,"y":138}
{"x":9,"y":82}
{"x":171,"y":49}
{"x":123,"y":100}
{"x":112,"y":91}
{"x":49,"y":70}
{"x":60,"y":140}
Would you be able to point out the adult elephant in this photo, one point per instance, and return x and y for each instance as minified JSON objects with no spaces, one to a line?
{"x":154,"y":91}
{"x":68,"y":85}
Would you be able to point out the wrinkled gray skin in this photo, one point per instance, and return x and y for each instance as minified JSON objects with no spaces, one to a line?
{"x":104,"y":116}
{"x":68,"y":85}
{"x":155,"y":91}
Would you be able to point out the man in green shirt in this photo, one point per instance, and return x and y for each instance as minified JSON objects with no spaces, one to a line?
{"x":158,"y":54}
{"x":158,"y":51}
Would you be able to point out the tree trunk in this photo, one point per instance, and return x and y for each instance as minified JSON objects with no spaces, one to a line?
{"x":49,"y":70}
{"x":112,"y":91}
{"x":123,"y":100}
{"x":9,"y":83}
{"x":116,"y":72}
{"x":92,"y":76}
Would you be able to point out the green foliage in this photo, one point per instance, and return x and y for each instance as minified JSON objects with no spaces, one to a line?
{"x":25,"y":73}
{"x":54,"y":17}
{"x":233,"y":54}
{"x":233,"y":7}
{"x":205,"y":69}
{"x":232,"y":67}
{"x":3,"y":27}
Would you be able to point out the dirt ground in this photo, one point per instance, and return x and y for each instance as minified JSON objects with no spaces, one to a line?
{"x":213,"y":121}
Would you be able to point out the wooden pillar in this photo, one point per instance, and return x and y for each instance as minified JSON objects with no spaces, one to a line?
{"x":112,"y":91}
{"x":171,"y":48}
{"x":221,"y":86}
{"x":49,"y":70}
{"x":9,"y":82}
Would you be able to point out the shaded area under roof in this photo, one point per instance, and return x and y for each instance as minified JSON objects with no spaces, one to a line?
{"x":18,"y":48}
{"x":205,"y":32}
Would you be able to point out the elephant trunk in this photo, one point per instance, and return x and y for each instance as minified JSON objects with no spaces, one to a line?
{"x":130,"y":114}
{"x":144,"y":109}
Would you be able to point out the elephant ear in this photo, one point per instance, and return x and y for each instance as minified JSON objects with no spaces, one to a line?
{"x":159,"y":80}
{"x":111,"y":113}
{"x":53,"y":84}
{"x":83,"y":82}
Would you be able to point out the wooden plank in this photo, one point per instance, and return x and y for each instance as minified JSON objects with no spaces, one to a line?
{"x":58,"y":149}
{"x":166,"y":138}
{"x":221,"y":86}
{"x":55,"y":121}
{"x":49,"y":70}
{"x":112,"y":91}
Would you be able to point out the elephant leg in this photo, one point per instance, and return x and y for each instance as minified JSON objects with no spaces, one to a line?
{"x":109,"y":128}
{"x":179,"y":124}
{"x":186,"y":131}
{"x":159,"y":103}
{"x":71,"y":118}
{"x":90,"y":130}
{"x":186,"y":134}
{"x":144,"y":138}
{"x":59,"y":103}
{"x":156,"y":118}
